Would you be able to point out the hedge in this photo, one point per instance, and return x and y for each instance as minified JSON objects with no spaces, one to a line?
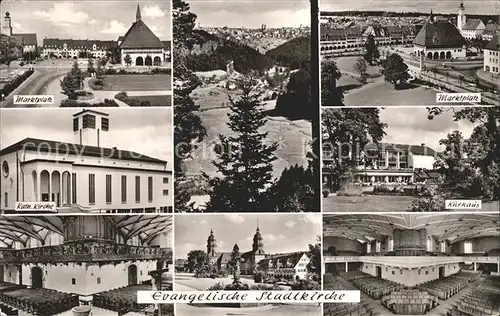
{"x":11,"y":86}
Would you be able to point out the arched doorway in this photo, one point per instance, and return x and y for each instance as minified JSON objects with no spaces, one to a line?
{"x":66,"y":188}
{"x":36,"y":278}
{"x":45,"y":185}
{"x":1,"y":272}
{"x":157,"y":61}
{"x":378,"y":271}
{"x":148,"y":61}
{"x":297,"y":278}
{"x":429,"y":55}
{"x":55,"y":189}
{"x":448,"y":55}
{"x":139,"y":61}
{"x":442,"y":55}
{"x":132,"y":274}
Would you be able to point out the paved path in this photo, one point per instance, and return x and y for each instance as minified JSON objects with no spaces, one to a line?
{"x":34,"y":85}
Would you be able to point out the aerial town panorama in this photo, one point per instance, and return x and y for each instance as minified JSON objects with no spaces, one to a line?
{"x":398,"y":57}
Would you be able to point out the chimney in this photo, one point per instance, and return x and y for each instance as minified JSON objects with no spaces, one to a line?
{"x":423,"y":144}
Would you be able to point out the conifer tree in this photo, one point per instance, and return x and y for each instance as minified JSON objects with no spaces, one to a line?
{"x":72,"y":82}
{"x":243,"y":159}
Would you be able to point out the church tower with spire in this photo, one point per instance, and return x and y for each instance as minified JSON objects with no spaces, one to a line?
{"x":258,"y":243}
{"x":138,"y":13}
{"x":461,"y":18}
{"x":211,"y":244}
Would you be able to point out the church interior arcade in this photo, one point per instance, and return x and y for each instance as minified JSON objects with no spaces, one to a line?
{"x":413,"y":264}
{"x":84,"y":265}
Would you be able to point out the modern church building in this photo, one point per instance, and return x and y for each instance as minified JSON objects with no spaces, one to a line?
{"x":67,"y":265}
{"x":88,"y":175}
{"x":138,"y":47}
{"x":413,"y":264}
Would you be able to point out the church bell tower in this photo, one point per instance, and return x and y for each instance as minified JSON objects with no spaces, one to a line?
{"x":7,"y":25}
{"x":461,"y":19}
{"x":211,"y":244}
{"x":90,"y":128}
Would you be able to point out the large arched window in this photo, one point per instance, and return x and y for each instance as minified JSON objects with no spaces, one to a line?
{"x":391,"y":244}
{"x":429,"y":243}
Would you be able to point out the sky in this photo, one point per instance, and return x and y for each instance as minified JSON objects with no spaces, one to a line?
{"x":281,"y":233}
{"x":147,"y":131}
{"x":409,"y":125}
{"x":251,"y":14}
{"x":490,"y":7}
{"x":86,"y":19}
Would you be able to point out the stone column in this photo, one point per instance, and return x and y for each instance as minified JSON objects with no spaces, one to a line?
{"x":475,"y":266}
{"x":60,"y":190}
{"x":38,"y":192}
{"x":346,"y":266}
{"x":50,"y":186}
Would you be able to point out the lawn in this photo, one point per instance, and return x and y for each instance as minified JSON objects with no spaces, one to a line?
{"x":159,"y":82}
{"x":292,"y":135}
{"x":212,"y":97}
{"x":156,"y":100}
{"x":381,"y":203}
{"x":367,"y":203}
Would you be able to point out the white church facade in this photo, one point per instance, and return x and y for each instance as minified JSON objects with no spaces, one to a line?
{"x":84,"y":176}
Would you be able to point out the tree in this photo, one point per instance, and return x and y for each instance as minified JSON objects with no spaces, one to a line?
{"x":295,"y":190}
{"x":395,"y":70}
{"x":314,"y":254}
{"x":235,"y":262}
{"x":128,"y":60}
{"x":360,"y":67}
{"x":198,"y":262}
{"x":346,"y":133}
{"x":295,"y":103}
{"x":90,"y":67}
{"x":188,"y":125}
{"x":371,"y":50}
{"x":244,"y":160}
{"x":481,"y":149}
{"x":330,"y":93}
{"x":72,"y":82}
{"x":103,"y":61}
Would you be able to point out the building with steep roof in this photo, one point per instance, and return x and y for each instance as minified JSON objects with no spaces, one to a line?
{"x":490,"y":30}
{"x":469,"y":28}
{"x":142,"y":45}
{"x":71,"y":48}
{"x":89,"y":175}
{"x":290,"y":266}
{"x":439,"y":40}
{"x":492,"y":55}
{"x":27,"y":41}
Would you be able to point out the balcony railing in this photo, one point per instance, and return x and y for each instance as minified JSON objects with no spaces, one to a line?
{"x":410,"y":262}
{"x":84,"y":251}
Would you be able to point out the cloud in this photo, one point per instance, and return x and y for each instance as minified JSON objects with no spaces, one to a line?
{"x":181,"y":250}
{"x":156,"y":30}
{"x":92,"y":22}
{"x":153,"y":11}
{"x":235,"y":218}
{"x":311,"y":219}
{"x":274,"y":238}
{"x":203,"y":222}
{"x":289,"y":223}
{"x":63,"y":14}
{"x":115,"y":27}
